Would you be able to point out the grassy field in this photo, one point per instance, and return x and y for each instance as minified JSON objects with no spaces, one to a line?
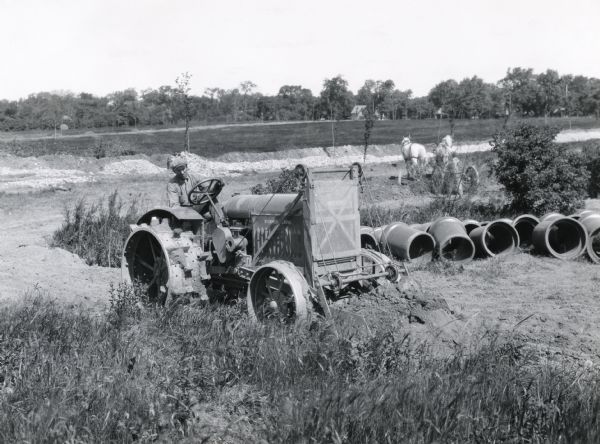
{"x":212,"y":142}
{"x":209,"y":375}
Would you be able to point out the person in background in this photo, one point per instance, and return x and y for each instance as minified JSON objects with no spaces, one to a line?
{"x":182,"y":183}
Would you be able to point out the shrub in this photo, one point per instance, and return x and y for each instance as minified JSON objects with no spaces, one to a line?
{"x":538,"y":174}
{"x":592,"y":154}
{"x":286,"y":182}
{"x":112,"y":148}
{"x":96,"y":233}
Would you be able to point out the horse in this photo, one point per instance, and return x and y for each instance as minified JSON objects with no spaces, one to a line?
{"x":414,"y":155}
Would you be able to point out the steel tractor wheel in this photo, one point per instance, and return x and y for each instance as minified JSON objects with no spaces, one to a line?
{"x":145,"y":263}
{"x":279,"y":293}
{"x":470,"y":179}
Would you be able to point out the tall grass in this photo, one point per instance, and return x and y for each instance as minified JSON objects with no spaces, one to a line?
{"x":466,"y":207}
{"x":209,"y":375}
{"x":96,"y":232}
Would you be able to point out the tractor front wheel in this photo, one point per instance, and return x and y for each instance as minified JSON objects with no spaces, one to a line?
{"x":279,"y":293}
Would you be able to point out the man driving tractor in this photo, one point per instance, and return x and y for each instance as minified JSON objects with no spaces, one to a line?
{"x":181,"y":184}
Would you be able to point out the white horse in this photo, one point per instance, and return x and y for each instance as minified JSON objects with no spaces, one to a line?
{"x":414,"y":155}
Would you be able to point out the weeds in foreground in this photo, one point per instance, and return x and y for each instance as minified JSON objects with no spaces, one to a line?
{"x":97,"y":232}
{"x":209,"y":374}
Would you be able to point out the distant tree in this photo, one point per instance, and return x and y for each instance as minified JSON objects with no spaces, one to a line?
{"x":474,"y":98}
{"x":246,"y":88}
{"x":397,"y":103}
{"x":123,"y":107}
{"x":520,"y":91}
{"x":550,"y":92}
{"x":338,"y":98}
{"x":295,"y":103}
{"x":420,"y":108}
{"x":446,"y":96}
{"x":377,"y":95}
{"x":366,"y":94}
{"x":183,"y":93}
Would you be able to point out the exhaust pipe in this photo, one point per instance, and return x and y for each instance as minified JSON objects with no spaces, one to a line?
{"x":559,"y":236}
{"x":524,"y":225}
{"x":406,"y":243}
{"x":496,"y":238}
{"x":452,"y":241}
{"x":591,"y":224}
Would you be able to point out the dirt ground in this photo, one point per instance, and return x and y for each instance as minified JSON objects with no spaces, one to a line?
{"x":551,"y":305}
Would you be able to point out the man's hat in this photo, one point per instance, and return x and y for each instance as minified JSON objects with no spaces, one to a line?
{"x":176,"y":162}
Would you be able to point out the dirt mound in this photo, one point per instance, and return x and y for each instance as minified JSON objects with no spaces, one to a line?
{"x":57,"y":272}
{"x":39,"y":178}
{"x":132,"y":166}
{"x":403,"y":308}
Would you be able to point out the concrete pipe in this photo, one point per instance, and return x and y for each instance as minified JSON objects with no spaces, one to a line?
{"x":582,"y":214}
{"x":470,"y":225}
{"x":496,"y":238}
{"x":406,"y":243}
{"x":524,"y":224}
{"x":452,"y":242}
{"x":367,"y":238}
{"x":551,"y":216}
{"x":591,"y":224}
{"x":421,"y":227}
{"x":561,"y":237}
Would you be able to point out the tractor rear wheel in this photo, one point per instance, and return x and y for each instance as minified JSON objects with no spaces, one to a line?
{"x":146,"y":264}
{"x":278,"y":293}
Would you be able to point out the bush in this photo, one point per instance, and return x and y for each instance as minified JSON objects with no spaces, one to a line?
{"x":592,"y":154}
{"x":539,"y":175}
{"x":96,"y":233}
{"x":112,"y":148}
{"x":286,"y":182}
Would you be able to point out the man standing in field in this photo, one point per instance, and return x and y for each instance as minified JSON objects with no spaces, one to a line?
{"x":181,"y":184}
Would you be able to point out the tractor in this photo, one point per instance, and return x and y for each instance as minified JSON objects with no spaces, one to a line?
{"x":290,"y":253}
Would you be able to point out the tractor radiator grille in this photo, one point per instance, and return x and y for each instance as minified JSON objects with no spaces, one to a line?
{"x":286,"y":244}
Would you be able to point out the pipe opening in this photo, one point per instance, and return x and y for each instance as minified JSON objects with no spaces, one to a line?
{"x":499,"y":238}
{"x":565,"y":237}
{"x":421,"y":248}
{"x":368,"y":241}
{"x":470,"y":226}
{"x":457,"y":249}
{"x":594,"y":249}
{"x":525,"y":228}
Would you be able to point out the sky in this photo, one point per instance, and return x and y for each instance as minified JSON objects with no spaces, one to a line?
{"x":103,"y":46}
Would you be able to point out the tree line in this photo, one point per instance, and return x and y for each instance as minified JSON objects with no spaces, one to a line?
{"x":521,"y":92}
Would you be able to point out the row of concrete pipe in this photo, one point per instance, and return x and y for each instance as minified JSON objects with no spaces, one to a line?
{"x":450,"y":239}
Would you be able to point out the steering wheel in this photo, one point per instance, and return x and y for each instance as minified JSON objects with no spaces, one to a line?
{"x":205,"y":191}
